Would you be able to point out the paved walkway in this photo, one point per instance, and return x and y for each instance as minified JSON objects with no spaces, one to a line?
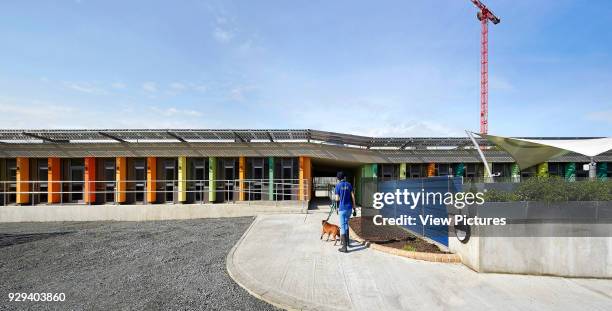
{"x":281,"y":260}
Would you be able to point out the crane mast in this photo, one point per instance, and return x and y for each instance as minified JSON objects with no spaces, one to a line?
{"x":484,"y":15}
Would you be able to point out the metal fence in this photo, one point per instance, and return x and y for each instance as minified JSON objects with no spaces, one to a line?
{"x":153,"y":191}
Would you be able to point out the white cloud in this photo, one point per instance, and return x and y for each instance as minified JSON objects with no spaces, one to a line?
{"x":173,"y":111}
{"x":118,"y":85}
{"x":84,"y":87}
{"x":223,"y":35}
{"x":177,"y":86}
{"x":150,"y":87}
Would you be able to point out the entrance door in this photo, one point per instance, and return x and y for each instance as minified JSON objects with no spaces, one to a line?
{"x":11,"y":186}
{"x":287,"y":179}
{"x":140,"y":178}
{"x":43,"y":186}
{"x":200,"y":180}
{"x":169,"y":176}
{"x":76,"y":177}
{"x":109,"y":176}
{"x":257,"y":174}
{"x":229,"y":176}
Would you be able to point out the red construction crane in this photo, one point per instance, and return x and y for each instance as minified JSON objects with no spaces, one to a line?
{"x":484,"y":16}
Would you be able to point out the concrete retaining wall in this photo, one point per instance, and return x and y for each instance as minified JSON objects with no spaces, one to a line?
{"x":561,"y":249}
{"x":42,"y":213}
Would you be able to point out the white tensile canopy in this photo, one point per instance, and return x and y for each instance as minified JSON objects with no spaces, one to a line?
{"x":529,"y":152}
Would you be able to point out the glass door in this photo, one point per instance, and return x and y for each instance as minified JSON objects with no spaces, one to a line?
{"x":200,"y":181}
{"x":140,"y":178}
{"x":169,"y":176}
{"x":229,"y":175}
{"x":109,"y":177}
{"x":77,"y":177}
{"x":287,"y":176}
{"x":257,"y":174}
{"x":43,"y":186}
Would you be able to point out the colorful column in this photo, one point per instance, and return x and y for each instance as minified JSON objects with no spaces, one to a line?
{"x":431,"y":169}
{"x":182,"y":179}
{"x":602,"y":171}
{"x":212,"y":176}
{"x":242,"y":177}
{"x":542,"y":169}
{"x":120,"y":179}
{"x":402,"y":172}
{"x":515,"y":172}
{"x":90,"y":180}
{"x":23,"y":180}
{"x":570,"y":171}
{"x":53,"y":180}
{"x":271,"y":178}
{"x":151,"y":179}
{"x":459,"y":170}
{"x":304,"y":176}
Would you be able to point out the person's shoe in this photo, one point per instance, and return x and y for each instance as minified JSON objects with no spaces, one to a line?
{"x":342,"y":239}
{"x":343,"y":249}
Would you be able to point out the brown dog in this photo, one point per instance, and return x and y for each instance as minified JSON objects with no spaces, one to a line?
{"x":330,"y":229}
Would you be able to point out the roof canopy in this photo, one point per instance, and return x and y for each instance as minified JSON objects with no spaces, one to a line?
{"x":529,"y":152}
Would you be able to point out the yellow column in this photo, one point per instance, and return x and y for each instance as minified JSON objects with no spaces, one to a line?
{"x":121,"y":177}
{"x":431,"y":169}
{"x":182,"y":176}
{"x":242,"y":177}
{"x":151,"y":179}
{"x":23,"y":180}
{"x":402,"y":172}
{"x":304,"y":176}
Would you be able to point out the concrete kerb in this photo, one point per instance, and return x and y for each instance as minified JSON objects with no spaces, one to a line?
{"x":259,"y":290}
{"x":443,"y":258}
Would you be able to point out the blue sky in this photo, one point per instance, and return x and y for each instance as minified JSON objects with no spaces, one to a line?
{"x":385,"y":68}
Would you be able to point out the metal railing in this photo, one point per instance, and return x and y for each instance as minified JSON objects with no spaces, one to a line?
{"x":162,"y":191}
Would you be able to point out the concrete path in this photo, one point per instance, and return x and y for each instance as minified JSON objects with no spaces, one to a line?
{"x":281,"y":260}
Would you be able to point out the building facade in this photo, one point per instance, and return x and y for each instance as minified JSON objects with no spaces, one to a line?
{"x":214,"y":166}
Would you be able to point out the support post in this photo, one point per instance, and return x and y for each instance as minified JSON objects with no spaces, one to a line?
{"x":120,"y":182}
{"x":592,"y":170}
{"x":304,"y":176}
{"x":212,"y":176}
{"x":241,"y":177}
{"x":151,"y":179}
{"x":90,"y":180}
{"x":515,"y":172}
{"x":402,"y":172}
{"x":542,"y":169}
{"x":182,"y":179}
{"x":23,"y":180}
{"x":602,"y":171}
{"x":431,"y":169}
{"x":271,"y":178}
{"x":53,"y":180}
{"x":570,"y":171}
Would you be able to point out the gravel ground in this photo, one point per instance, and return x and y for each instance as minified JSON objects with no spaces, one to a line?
{"x":124,"y":265}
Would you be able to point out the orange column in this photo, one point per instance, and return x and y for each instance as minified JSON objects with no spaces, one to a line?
{"x":431,"y":169}
{"x":90,"y":180}
{"x":151,"y":179}
{"x":121,"y":177}
{"x":241,"y":176}
{"x":305,"y":176}
{"x":53,"y":179}
{"x":23,"y":180}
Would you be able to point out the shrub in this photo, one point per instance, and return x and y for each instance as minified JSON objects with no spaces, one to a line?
{"x":554,"y":189}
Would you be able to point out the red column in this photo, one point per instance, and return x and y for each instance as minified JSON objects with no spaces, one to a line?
{"x":90,"y":180}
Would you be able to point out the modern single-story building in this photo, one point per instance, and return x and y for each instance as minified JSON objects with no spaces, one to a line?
{"x":197,"y":165}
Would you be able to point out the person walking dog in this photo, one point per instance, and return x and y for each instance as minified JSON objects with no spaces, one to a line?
{"x":345,"y":196}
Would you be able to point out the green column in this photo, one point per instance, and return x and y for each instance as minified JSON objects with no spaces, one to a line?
{"x":459,"y":170}
{"x":515,"y":172}
{"x":602,"y":171}
{"x":402,"y":171}
{"x":543,"y":169}
{"x":212,"y":179}
{"x":570,"y":171}
{"x":271,"y":178}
